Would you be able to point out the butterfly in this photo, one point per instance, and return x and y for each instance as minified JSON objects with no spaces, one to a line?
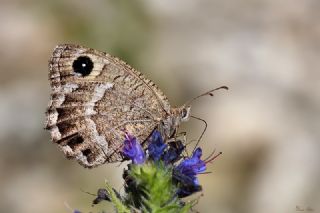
{"x":96,"y":99}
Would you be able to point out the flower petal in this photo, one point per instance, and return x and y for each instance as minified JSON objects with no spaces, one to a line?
{"x":186,"y":173}
{"x":156,"y":146}
{"x":133,"y":150}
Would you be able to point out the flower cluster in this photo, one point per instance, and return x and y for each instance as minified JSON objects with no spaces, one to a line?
{"x":157,"y":178}
{"x":184,"y":174}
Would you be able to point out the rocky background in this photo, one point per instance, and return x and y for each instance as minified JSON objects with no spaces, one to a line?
{"x":267,"y":125}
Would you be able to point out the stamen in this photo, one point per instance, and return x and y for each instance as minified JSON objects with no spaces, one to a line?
{"x":214,"y":157}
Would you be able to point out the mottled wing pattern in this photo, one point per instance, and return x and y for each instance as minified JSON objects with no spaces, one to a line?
{"x":89,"y":114}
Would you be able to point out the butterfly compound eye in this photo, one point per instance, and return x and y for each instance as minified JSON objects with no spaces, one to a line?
{"x":83,"y":65}
{"x":185,"y":114}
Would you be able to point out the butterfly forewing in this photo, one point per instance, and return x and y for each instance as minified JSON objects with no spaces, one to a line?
{"x":95,"y":99}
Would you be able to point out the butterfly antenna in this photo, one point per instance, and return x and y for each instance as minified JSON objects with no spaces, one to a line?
{"x":210,"y":93}
{"x":214,"y":157}
{"x":212,"y":153}
{"x":204,"y":130}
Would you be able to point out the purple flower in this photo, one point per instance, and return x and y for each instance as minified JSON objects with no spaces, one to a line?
{"x":133,"y":150}
{"x":192,"y":166}
{"x":173,"y":154}
{"x":186,"y":174}
{"x":156,"y":146}
{"x":102,"y":194}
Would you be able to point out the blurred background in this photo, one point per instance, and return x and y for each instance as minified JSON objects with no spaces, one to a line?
{"x":267,"y":125}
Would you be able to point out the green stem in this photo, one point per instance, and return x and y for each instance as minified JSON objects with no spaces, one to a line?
{"x":120,"y":207}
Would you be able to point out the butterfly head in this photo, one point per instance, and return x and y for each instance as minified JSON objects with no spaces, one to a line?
{"x":171,"y":123}
{"x":180,"y":114}
{"x":183,"y":113}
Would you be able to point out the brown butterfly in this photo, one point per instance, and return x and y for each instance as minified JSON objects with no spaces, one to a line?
{"x":96,"y":98}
